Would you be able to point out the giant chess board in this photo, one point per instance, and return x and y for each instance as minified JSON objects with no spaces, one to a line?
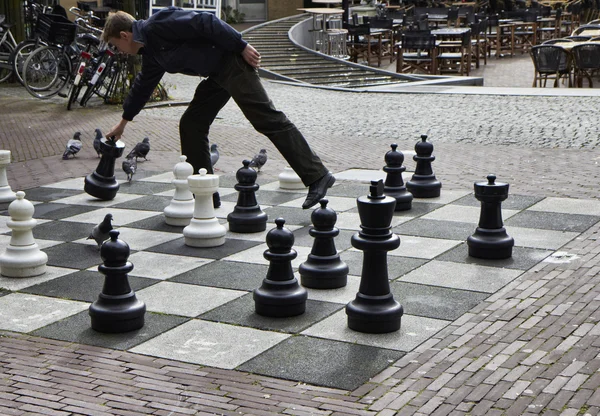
{"x":199,"y":300}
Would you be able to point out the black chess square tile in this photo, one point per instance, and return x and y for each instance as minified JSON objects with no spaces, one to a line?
{"x":73,"y":255}
{"x":52,"y":211}
{"x":522,"y":258}
{"x":179,"y":248}
{"x":322,"y":362}
{"x":450,"y":230}
{"x":62,"y":230}
{"x":143,"y":187}
{"x":147,"y":203}
{"x":291,"y":215}
{"x":50,"y":194}
{"x":84,"y":285}
{"x":77,"y":328}
{"x":241,"y":311}
{"x":552,"y":221}
{"x":304,"y":239}
{"x":435,"y":302}
{"x":225,"y":274}
{"x":229,"y":181}
{"x":156,"y":223}
{"x":397,"y":266}
{"x":516,"y":202}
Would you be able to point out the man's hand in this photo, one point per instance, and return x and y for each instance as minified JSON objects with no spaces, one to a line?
{"x":117,"y":131}
{"x":251,"y":56}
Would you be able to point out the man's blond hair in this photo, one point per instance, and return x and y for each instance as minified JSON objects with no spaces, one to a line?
{"x":115,"y":24}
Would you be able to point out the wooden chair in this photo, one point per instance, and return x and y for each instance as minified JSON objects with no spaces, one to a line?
{"x":526,"y":32}
{"x":416,"y":53}
{"x":550,"y":62}
{"x":455,"y":57}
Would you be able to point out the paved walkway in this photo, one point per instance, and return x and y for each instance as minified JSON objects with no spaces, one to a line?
{"x":530,"y":349}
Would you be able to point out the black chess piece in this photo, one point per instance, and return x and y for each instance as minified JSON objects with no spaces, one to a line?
{"x":374,"y":309}
{"x":323,"y":269}
{"x":246,"y":217}
{"x":280,"y":295}
{"x":423,"y":183}
{"x":394,"y":184}
{"x":101,"y":183}
{"x":117,"y":308}
{"x":490,"y":240}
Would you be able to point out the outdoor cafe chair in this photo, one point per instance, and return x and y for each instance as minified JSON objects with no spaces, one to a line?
{"x":550,"y":62}
{"x":586,"y":61}
{"x":416,"y":52}
{"x":456,"y":57}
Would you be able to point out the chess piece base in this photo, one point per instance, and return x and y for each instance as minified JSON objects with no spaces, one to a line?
{"x":424,"y":187}
{"x":179,"y":213}
{"x":323,"y":272}
{"x":374,"y":314}
{"x":6,"y":194}
{"x":204,"y":233}
{"x":247,"y":222}
{"x":280,"y":299}
{"x":490,"y":244}
{"x":23,"y":261}
{"x":101,"y":187}
{"x":117,"y":314}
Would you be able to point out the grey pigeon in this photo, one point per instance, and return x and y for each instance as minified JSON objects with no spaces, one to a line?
{"x":97,"y":142}
{"x":73,"y":146}
{"x":259,"y":160}
{"x":140,"y":150}
{"x":129,"y":167}
{"x":100,"y":231}
{"x":214,"y":154}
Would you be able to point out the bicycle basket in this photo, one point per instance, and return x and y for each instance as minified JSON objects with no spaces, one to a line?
{"x":56,"y":29}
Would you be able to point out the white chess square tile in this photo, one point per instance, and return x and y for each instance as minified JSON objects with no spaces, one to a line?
{"x":75,"y":184}
{"x":121,"y":217}
{"x":185,"y":300}
{"x":25,"y":313}
{"x":351,"y":221}
{"x":255,"y":255}
{"x":342,"y":295}
{"x":337,"y":203}
{"x":445,"y":197}
{"x":42,"y":244}
{"x":14,"y":283}
{"x":538,"y":238}
{"x":568,"y":206}
{"x":162,"y":266}
{"x":259,"y":236}
{"x":422,"y":247}
{"x":4,"y":219}
{"x":166,"y":177}
{"x":138,"y":239}
{"x":413,"y":331}
{"x":211,"y":344}
{"x":462,"y":213}
{"x":361,"y":175}
{"x":274,"y":186}
{"x":88,"y":200}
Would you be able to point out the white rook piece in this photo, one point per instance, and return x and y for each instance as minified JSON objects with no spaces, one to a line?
{"x":181,"y":209}
{"x":23,"y":257}
{"x":6,"y":194}
{"x":204,"y":229}
{"x":288,"y":179}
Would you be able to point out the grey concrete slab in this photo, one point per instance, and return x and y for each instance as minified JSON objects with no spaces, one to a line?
{"x":337,"y":203}
{"x":267,"y":197}
{"x":517,"y":202}
{"x":147,"y":203}
{"x":322,"y":362}
{"x":18,"y":284}
{"x":342,"y":295}
{"x":121,"y":216}
{"x":397,"y":266}
{"x":53,"y":211}
{"x":144,"y":187}
{"x":49,"y":194}
{"x":256,"y":255}
{"x":348,"y":189}
{"x":292,"y":216}
{"x":522,"y":258}
{"x":350,"y":220}
{"x":568,"y":206}
{"x":178,"y":247}
{"x":156,"y":223}
{"x":552,"y":221}
{"x":225,"y":274}
{"x":539,"y":238}
{"x":138,"y":239}
{"x":85,"y":199}
{"x":162,"y":266}
{"x":62,"y":231}
{"x":450,"y":230}
{"x":422,"y":247}
{"x":462,"y":213}
{"x":73,"y":256}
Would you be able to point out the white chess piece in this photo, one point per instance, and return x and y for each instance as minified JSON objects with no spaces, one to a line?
{"x":23,"y":257}
{"x":181,"y":209}
{"x":6,"y":194}
{"x":204,"y":229}
{"x":288,"y":179}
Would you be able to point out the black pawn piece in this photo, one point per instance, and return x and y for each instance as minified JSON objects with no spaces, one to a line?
{"x":423,"y":183}
{"x":374,"y":309}
{"x":117,"y":308}
{"x":323,"y":268}
{"x":394,"y":184}
{"x":101,"y":183}
{"x":490,"y":240}
{"x":247,"y":216}
{"x":280,"y":295}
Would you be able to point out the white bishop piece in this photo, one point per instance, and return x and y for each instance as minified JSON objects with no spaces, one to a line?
{"x":181,"y":209}
{"x":204,"y":229}
{"x":23,"y":257}
{"x":288,"y":179}
{"x":6,"y":194}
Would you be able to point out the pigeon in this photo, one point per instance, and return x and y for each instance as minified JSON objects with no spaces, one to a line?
{"x":97,"y":142}
{"x":140,"y":150}
{"x":259,"y":160}
{"x":100,"y":231}
{"x":73,"y":146}
{"x":129,"y":167}
{"x":214,"y":154}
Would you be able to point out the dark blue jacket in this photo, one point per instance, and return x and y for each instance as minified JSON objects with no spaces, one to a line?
{"x":178,"y":41}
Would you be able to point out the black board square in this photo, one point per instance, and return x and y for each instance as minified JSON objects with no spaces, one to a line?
{"x":147,"y":203}
{"x":449,"y":230}
{"x":552,"y":221}
{"x":62,"y":230}
{"x":291,"y":215}
{"x":225,"y":274}
{"x":52,"y":211}
{"x":156,"y":223}
{"x":73,"y":255}
{"x":515,"y":202}
{"x":44,"y":194}
{"x":522,"y":258}
{"x":179,"y":248}
{"x":322,"y":362}
{"x":397,"y":266}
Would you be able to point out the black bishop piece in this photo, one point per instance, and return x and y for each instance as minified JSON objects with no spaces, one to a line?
{"x":101,"y":183}
{"x":490,"y":240}
{"x":246,"y":217}
{"x":394,"y":184}
{"x":323,"y":269}
{"x":374,"y":309}
{"x":117,"y":308}
{"x":280,"y":295}
{"x":423,"y":183}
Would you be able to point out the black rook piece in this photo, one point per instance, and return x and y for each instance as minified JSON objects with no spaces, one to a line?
{"x":423,"y":183}
{"x":490,"y":240}
{"x":247,"y":216}
{"x":394,"y":185}
{"x":280,"y":295}
{"x":117,"y":308}
{"x":374,"y":310}
{"x":101,"y":183}
{"x":323,"y":269}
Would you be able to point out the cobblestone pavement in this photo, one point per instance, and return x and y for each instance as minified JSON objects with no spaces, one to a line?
{"x":530,"y":349}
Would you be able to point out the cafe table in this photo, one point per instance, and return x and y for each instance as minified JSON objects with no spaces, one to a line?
{"x":320,"y":16}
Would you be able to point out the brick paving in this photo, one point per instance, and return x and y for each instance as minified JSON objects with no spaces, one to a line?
{"x":530,"y":349}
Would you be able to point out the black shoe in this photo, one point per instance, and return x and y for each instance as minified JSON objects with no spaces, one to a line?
{"x":318,"y":189}
{"x":216,"y":200}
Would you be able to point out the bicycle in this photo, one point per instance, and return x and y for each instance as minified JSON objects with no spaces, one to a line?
{"x":7,"y":46}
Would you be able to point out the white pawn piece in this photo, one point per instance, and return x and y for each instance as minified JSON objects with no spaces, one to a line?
{"x":23,"y":257}
{"x":289,"y":179}
{"x":204,"y":229}
{"x":181,"y":209}
{"x":6,"y":194}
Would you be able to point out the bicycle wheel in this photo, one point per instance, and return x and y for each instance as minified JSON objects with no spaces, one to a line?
{"x":100,"y":71}
{"x":46,"y":71}
{"x":5,"y":67}
{"x":18,"y":56}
